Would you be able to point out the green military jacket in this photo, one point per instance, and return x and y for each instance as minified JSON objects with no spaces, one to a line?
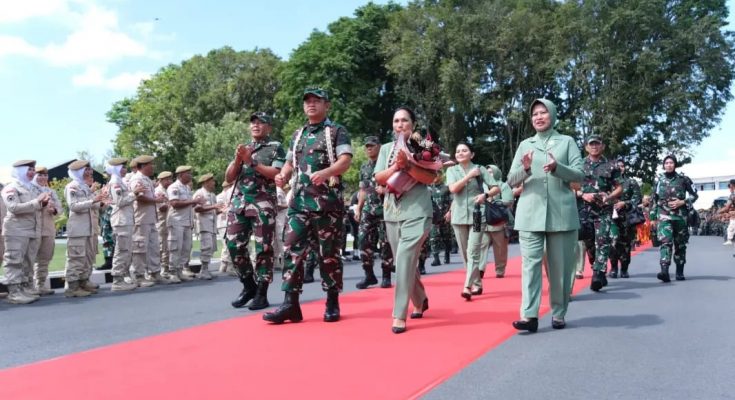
{"x":631,"y":195}
{"x":669,"y":187}
{"x":373,"y":200}
{"x":311,"y":154}
{"x":415,"y":203}
{"x":463,"y":202}
{"x":255,"y":193}
{"x":600,"y":176}
{"x":547,"y":203}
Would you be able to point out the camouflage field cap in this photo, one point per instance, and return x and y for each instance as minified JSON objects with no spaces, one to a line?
{"x":372,"y":141}
{"x":593,"y":139}
{"x":260,"y":115}
{"x":316,"y":91}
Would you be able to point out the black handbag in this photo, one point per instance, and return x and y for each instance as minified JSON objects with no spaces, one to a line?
{"x":496,"y":213}
{"x":635,"y":217}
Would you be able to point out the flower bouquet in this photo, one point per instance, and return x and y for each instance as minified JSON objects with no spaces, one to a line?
{"x":422,"y":163}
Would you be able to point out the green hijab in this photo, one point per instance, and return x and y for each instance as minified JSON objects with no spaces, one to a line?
{"x":497,"y":173}
{"x":551,"y":107}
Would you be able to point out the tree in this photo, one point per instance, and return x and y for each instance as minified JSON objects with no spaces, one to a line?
{"x":160,"y":119}
{"x":219,"y":139}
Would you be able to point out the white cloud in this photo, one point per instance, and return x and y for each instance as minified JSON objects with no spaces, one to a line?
{"x":19,"y":11}
{"x":95,"y":77}
{"x":11,"y":45}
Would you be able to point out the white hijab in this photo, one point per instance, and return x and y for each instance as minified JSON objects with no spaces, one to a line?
{"x":78,"y":177}
{"x":114,"y":172}
{"x":19,"y":174}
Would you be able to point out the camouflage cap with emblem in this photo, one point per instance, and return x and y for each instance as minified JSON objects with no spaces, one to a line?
{"x":183,"y":168}
{"x":205,"y":178}
{"x":316,"y":91}
{"x":593,"y":139}
{"x":372,"y":141}
{"x":164,"y":175}
{"x":78,"y":164}
{"x":261,"y":116}
{"x":25,"y":163}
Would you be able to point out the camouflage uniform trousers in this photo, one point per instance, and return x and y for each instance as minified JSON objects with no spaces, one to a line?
{"x":622,"y":236}
{"x":372,"y":232}
{"x":673,"y":233}
{"x":19,"y":257}
{"x":327,"y":227}
{"x":239,"y":229}
{"x":441,"y":238}
{"x":598,"y":250}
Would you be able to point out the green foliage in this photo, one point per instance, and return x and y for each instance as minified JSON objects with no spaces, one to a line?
{"x":217,"y":139}
{"x":352,"y":176}
{"x":58,"y":185}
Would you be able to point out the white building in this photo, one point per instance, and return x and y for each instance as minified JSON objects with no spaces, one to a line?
{"x":710,"y":188}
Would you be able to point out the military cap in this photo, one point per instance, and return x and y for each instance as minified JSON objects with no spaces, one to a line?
{"x":117,"y":161}
{"x":165,"y":174}
{"x":316,"y":91}
{"x":371,"y":141}
{"x":22,"y":163}
{"x":263,"y":117}
{"x":78,"y":164}
{"x":145,"y":159}
{"x":594,"y":138}
{"x":205,"y":178}
{"x":133,"y":163}
{"x":183,"y":168}
{"x":226,"y":184}
{"x":41,"y":170}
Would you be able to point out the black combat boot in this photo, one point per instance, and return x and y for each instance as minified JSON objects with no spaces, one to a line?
{"x":680,"y":273}
{"x":597,"y":280}
{"x":309,"y":273}
{"x":107,"y":265}
{"x":613,"y":268}
{"x":663,"y":276}
{"x":446,"y":256}
{"x":624,"y":271}
{"x":260,"y":301}
{"x":422,"y":268}
{"x":385,"y":282}
{"x":248,"y":292}
{"x":331,"y":313}
{"x":369,"y":279}
{"x":436,"y":261}
{"x":290,"y":310}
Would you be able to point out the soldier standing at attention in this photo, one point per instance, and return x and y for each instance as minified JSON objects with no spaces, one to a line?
{"x":670,"y":207}
{"x":21,"y":229}
{"x":82,"y":240}
{"x":146,"y":249}
{"x":223,"y":198}
{"x":180,"y":222}
{"x":253,"y":210}
{"x":370,"y":216}
{"x":319,"y":154}
{"x":440,"y":237}
{"x":48,"y":232}
{"x":621,"y":232}
{"x":165,"y":179}
{"x":206,"y":222}
{"x":121,"y":219}
{"x":601,"y":186}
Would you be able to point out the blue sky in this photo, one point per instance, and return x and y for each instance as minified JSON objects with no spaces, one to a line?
{"x":64,"y":62}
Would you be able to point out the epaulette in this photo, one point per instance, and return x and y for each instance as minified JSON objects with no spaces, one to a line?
{"x":274,"y":143}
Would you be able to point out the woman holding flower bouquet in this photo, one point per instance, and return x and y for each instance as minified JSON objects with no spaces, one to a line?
{"x":405,"y":166}
{"x":471,"y":185}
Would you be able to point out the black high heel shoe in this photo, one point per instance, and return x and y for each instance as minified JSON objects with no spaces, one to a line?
{"x":424,"y":307}
{"x":398,"y":329}
{"x":531,"y":325}
{"x":467,"y":295}
{"x":476,"y":292}
{"x":558,"y":323}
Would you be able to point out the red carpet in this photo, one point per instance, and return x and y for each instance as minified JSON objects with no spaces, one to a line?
{"x":358,"y":357}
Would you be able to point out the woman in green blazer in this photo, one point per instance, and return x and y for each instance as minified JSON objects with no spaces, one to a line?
{"x":471,"y":185}
{"x":546,"y":217}
{"x":407,"y":223}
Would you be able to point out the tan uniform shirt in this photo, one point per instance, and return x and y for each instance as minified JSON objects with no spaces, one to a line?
{"x":144,"y":213}
{"x":122,"y":204}
{"x":162,"y":215}
{"x":23,"y":216}
{"x":81,"y":203}
{"x":206,"y":221}
{"x":223,"y":198}
{"x":183,"y":216}
{"x":48,"y":215}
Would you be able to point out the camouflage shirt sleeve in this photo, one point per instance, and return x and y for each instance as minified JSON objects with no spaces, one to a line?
{"x":279,"y":156}
{"x":689,"y":186}
{"x":343,"y":144}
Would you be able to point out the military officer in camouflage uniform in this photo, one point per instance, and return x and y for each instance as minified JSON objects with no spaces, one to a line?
{"x":80,"y":230}
{"x":670,"y":207}
{"x":319,"y":154}
{"x":165,"y":179}
{"x":441,"y":231}
{"x":621,"y":233}
{"x":180,"y":222}
{"x":253,"y":210}
{"x":146,"y":249}
{"x":206,"y":222}
{"x":601,"y":186}
{"x":121,"y":220}
{"x":22,"y":230}
{"x":48,"y":232}
{"x":370,"y":216}
{"x":108,"y":238}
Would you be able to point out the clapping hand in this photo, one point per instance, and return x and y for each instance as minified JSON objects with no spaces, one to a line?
{"x":244,"y":154}
{"x":551,"y":165}
{"x":527,"y":159}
